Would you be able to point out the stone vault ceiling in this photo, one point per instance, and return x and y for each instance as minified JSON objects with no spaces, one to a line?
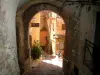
{"x":21,"y":2}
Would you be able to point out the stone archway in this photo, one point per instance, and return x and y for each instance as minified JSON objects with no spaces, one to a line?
{"x":25,"y":13}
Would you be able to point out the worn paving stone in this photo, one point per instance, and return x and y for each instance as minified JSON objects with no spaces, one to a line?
{"x":47,"y":67}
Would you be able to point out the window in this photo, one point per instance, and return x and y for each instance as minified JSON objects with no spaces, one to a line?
{"x":34,"y":24}
{"x":63,"y":27}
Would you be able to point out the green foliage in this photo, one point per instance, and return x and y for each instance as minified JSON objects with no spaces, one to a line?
{"x":36,"y":50}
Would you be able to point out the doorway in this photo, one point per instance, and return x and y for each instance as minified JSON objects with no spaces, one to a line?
{"x":97,"y":44}
{"x":97,"y":30}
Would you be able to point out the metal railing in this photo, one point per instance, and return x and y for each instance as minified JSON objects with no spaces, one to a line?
{"x":88,"y":54}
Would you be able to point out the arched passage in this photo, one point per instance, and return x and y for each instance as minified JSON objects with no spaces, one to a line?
{"x":48,"y":28}
{"x":27,"y":12}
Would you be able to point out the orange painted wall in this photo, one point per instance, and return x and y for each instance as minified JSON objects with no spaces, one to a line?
{"x":43,"y":35}
{"x":35,"y":33}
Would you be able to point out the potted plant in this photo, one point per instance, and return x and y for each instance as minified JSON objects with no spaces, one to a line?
{"x":36,"y":51}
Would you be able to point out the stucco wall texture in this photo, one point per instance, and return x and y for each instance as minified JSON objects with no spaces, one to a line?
{"x":8,"y":49}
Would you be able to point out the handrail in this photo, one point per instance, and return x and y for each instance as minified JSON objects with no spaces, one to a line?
{"x":89,"y":46}
{"x":65,"y":60}
{"x":89,"y":41}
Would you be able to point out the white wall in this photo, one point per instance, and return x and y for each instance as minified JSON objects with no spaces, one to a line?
{"x":8,"y":50}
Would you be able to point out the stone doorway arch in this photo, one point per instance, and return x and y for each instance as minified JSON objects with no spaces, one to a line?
{"x":24,"y":15}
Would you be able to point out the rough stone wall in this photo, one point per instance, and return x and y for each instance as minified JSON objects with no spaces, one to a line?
{"x":22,"y":2}
{"x":87,"y":30}
{"x":8,"y":50}
{"x":81,"y":25}
{"x":73,"y":36}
